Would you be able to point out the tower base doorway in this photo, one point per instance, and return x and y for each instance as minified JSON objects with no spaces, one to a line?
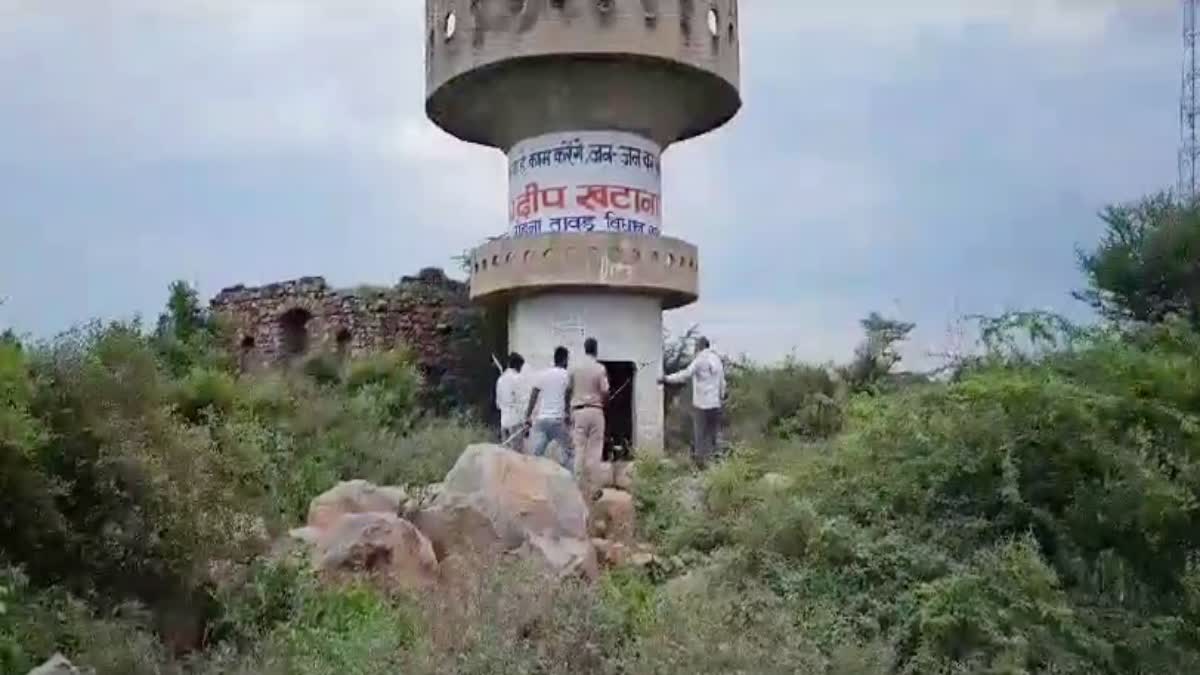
{"x":618,"y":417}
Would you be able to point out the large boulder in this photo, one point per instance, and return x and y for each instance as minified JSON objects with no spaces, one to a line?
{"x":561,"y":556}
{"x":496,"y":501}
{"x":613,"y":516}
{"x":356,"y":496}
{"x":380,"y":545}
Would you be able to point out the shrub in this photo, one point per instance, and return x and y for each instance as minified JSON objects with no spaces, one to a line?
{"x":34,"y":625}
{"x":204,"y":391}
{"x":324,"y":368}
{"x":386,"y":387}
{"x":790,"y":400}
{"x":121,"y":496}
{"x":421,"y":457}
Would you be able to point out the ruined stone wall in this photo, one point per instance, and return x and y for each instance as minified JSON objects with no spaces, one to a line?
{"x":430,"y":314}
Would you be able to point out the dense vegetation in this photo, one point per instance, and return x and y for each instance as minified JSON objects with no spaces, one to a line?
{"x":1034,"y":509}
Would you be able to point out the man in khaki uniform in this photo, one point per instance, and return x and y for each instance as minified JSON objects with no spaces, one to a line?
{"x":589,"y":395}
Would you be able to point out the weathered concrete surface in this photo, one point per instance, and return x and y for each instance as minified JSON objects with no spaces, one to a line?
{"x":651,"y":66}
{"x":628,"y":328}
{"x":663,"y":267}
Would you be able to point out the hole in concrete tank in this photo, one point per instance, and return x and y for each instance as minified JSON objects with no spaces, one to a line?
{"x":547,"y":252}
{"x":605,"y":6}
{"x":508,"y":258}
{"x":450,"y":25}
{"x":637,"y":255}
{"x":557,"y":4}
{"x":516,"y":6}
{"x":528,"y":255}
{"x":670,"y":260}
{"x":293,"y":329}
{"x":732,"y":33}
{"x":495,"y":261}
{"x":714,"y":22}
{"x":692,"y":263}
{"x":654,"y":257}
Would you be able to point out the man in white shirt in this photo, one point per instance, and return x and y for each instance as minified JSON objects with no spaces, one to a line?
{"x":552,"y":389}
{"x":512,"y":395}
{"x":707,"y":374}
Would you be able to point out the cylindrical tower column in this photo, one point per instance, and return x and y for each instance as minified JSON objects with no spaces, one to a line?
{"x":584,"y":97}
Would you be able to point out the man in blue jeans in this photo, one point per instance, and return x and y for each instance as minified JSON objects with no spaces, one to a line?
{"x":552,"y":388}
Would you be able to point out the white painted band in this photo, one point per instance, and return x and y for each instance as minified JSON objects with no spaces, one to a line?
{"x":585,"y":181}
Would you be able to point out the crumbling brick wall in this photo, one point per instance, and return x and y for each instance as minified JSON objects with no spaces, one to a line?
{"x":430,"y":314}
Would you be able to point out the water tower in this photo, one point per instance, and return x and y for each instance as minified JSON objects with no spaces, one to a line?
{"x":584,"y":97}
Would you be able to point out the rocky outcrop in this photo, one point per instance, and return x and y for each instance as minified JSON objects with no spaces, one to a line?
{"x":355,"y":529}
{"x":382,"y":546}
{"x":356,"y":496}
{"x":613,"y":516}
{"x":495,"y":501}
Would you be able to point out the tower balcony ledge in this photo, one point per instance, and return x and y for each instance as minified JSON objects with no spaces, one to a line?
{"x":504,"y":269}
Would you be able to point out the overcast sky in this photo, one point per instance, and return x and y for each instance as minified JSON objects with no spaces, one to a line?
{"x":928,"y":162}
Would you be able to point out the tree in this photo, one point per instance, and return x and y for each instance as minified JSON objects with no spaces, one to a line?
{"x":184,"y":317}
{"x":1147,"y":265}
{"x":877,"y":355}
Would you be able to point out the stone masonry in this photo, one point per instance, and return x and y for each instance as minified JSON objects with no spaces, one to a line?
{"x":430,"y":314}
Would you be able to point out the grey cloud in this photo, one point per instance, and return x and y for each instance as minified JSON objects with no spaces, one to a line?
{"x":928,"y":153}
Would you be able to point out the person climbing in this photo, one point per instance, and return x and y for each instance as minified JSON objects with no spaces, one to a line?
{"x":512,"y":396}
{"x":552,"y":389}
{"x":707,"y":374}
{"x":589,"y":395}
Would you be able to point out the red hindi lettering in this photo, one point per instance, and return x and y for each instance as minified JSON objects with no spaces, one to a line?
{"x":620,"y":197}
{"x":593,"y":197}
{"x":559,"y":201}
{"x":526,"y":204}
{"x":647,"y":202}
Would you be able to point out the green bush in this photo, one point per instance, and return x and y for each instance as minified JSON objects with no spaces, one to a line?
{"x":791,"y":400}
{"x":324,"y":368}
{"x":204,"y":391}
{"x":34,"y":625}
{"x":386,"y":387}
{"x":120,"y":494}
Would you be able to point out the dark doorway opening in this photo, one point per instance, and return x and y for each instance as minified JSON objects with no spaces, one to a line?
{"x":618,"y":417}
{"x":344,"y":340}
{"x":293,"y":327}
{"x":247,"y":352}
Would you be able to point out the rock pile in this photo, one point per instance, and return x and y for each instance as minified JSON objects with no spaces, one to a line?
{"x":494,"y":503}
